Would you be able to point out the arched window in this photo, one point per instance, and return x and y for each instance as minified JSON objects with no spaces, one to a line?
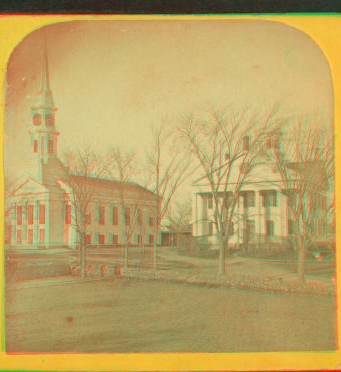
{"x":49,"y":120}
{"x":37,"y":119}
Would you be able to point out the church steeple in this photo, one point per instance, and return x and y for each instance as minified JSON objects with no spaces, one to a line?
{"x":45,"y":89}
{"x":42,"y":129}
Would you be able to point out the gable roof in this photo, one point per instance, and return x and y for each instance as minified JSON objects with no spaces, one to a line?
{"x":110,"y":184}
{"x":21,"y":183}
{"x":313,"y":172}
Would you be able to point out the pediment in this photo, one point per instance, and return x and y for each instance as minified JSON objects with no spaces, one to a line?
{"x":26,"y":185}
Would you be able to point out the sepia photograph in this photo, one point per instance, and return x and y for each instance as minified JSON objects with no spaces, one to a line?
{"x":169,"y":188}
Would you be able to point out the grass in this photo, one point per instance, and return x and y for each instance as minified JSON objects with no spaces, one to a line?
{"x":141,"y":316}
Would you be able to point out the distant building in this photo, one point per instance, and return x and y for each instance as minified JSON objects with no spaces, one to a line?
{"x":39,"y":212}
{"x":262,"y":214}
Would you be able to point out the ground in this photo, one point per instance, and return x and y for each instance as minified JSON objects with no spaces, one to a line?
{"x":120,"y":315}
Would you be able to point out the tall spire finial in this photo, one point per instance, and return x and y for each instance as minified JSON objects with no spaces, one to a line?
{"x":45,"y":80}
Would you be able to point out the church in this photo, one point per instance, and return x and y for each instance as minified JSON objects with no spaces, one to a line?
{"x":39,"y":208}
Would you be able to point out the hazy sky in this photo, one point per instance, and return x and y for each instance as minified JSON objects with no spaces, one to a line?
{"x":112,"y":79}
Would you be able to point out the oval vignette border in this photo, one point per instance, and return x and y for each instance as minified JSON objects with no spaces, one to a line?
{"x":325,"y":31}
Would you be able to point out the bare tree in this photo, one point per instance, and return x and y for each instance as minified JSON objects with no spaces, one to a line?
{"x":168,"y":169}
{"x":125,"y":168}
{"x":229,"y":147}
{"x":305,"y":162}
{"x":179,"y":216}
{"x":82,"y":165}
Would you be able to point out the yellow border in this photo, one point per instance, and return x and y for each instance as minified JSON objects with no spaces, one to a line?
{"x":325,"y":30}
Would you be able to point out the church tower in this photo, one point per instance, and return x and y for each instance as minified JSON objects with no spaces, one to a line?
{"x":42,"y":129}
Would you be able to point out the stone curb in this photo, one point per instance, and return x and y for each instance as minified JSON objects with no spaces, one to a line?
{"x":250,"y":283}
{"x":17,"y":286}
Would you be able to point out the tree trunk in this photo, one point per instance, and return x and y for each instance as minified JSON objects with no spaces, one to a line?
{"x":302,"y":263}
{"x":125,"y":255}
{"x":222,"y":257}
{"x":154,"y":245}
{"x":84,"y":259}
{"x":80,"y":259}
{"x":82,"y":265}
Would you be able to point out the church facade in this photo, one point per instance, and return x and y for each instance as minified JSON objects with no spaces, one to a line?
{"x":39,"y":211}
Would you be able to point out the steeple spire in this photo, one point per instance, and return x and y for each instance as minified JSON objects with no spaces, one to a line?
{"x":45,"y":79}
{"x":45,"y":89}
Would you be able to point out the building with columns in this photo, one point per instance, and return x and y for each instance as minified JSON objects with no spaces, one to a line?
{"x":38,"y":208}
{"x":262,"y":217}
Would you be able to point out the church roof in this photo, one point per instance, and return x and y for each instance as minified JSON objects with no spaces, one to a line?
{"x":112,"y":184}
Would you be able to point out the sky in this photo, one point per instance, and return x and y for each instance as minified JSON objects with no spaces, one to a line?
{"x":113,"y":80}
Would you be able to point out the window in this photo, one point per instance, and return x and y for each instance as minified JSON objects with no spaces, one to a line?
{"x":127,"y":216}
{"x":41,"y":236}
{"x":210,"y":228}
{"x":151,"y":239}
{"x":101,"y":238}
{"x":269,"y":198}
{"x":250,"y":230}
{"x":231,"y":228}
{"x":68,"y":214}
{"x":14,"y":212}
{"x":37,"y":119}
{"x":115,"y":239}
{"x":139,"y":217}
{"x":102,"y":215}
{"x":30,"y":214}
{"x":8,"y":233}
{"x":151,"y":221}
{"x":291,"y":228}
{"x":115,"y":216}
{"x":49,"y":119}
{"x":88,"y":239}
{"x":270,"y":228}
{"x":50,"y":147}
{"x":35,"y":146}
{"x":42,"y":214}
{"x":88,"y":219}
{"x":30,"y":236}
{"x":19,"y":236}
{"x":209,"y":202}
{"x":246,"y":143}
{"x":139,"y":239}
{"x":42,"y":145}
{"x":249,"y":199}
{"x":19,"y":215}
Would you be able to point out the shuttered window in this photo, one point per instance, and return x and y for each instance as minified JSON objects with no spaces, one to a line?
{"x":19,"y":215}
{"x":102,"y":215}
{"x":30,"y":214}
{"x":42,"y":214}
{"x":30,"y":236}
{"x":127,"y":216}
{"x":68,"y":214}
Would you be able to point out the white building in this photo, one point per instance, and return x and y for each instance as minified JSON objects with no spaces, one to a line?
{"x":262,"y":217}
